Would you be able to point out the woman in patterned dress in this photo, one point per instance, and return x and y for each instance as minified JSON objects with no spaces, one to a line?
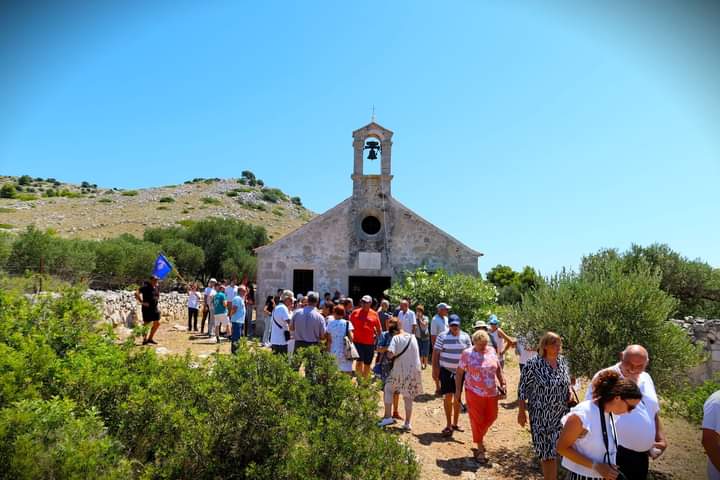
{"x":405,"y":377}
{"x":479,"y":367}
{"x":544,"y":394}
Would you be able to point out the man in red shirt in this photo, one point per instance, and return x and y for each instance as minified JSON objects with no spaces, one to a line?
{"x":366,"y":326}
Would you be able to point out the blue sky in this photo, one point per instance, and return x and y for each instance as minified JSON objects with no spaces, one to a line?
{"x":535,"y":133}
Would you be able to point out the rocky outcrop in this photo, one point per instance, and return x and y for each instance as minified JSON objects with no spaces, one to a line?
{"x":706,"y":333}
{"x":119,"y":307}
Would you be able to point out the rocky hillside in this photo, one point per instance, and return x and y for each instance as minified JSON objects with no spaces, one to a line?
{"x":89,"y":212}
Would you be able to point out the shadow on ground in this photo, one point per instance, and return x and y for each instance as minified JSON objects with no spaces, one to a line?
{"x":456,"y":466}
{"x":435,"y":437}
{"x":424,"y":397}
{"x":516,"y":464}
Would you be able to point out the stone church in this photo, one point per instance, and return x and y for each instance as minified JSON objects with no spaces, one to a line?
{"x":362,"y":244}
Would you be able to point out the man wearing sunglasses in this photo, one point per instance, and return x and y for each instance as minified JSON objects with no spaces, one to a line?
{"x":640,"y":431}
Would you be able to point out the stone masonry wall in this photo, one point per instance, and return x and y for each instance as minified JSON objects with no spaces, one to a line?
{"x":121,"y":308}
{"x":706,"y":333}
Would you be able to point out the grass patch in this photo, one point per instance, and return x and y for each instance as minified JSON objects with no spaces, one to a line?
{"x":252,"y":205}
{"x":163,"y":207}
{"x":242,"y":190}
{"x":105,"y":200}
{"x":279,"y":211}
{"x":231,"y":194}
{"x":185,"y":211}
{"x":185,"y":223}
{"x":6,"y":210}
{"x":129,"y":193}
{"x":6,"y":226}
{"x":26,"y":197}
{"x":210,"y":201}
{"x":167,"y":200}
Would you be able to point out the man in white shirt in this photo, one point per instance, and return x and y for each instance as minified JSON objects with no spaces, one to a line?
{"x":711,"y":434}
{"x":640,"y":432}
{"x":231,"y":291}
{"x":438,"y":326}
{"x":406,"y":317}
{"x":281,"y":323}
{"x":207,"y":307}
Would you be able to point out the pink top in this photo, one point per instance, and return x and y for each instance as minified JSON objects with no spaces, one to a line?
{"x":480,"y":370}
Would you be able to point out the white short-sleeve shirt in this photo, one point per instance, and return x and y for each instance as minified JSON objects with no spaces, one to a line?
{"x":636,"y":430}
{"x":407,"y":320}
{"x":591,"y":445}
{"x":711,"y":421}
{"x":280,"y":316}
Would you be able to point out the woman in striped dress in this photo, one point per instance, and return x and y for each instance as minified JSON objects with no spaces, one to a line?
{"x":544,"y":394}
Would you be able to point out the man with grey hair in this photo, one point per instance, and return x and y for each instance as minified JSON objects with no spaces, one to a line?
{"x":384,"y":314}
{"x":308,"y":324}
{"x":640,"y":433}
{"x":280,"y":318}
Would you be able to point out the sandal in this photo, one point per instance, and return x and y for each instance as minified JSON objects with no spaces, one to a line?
{"x":457,"y":428}
{"x":447,"y":432}
{"x":480,"y":457}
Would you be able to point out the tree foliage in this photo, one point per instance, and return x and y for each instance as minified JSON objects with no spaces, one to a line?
{"x":602,"y":310}
{"x":470,"y":297}
{"x":694,"y":283}
{"x":76,"y":404}
{"x":512,"y":285}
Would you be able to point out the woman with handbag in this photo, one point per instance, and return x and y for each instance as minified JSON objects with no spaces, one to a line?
{"x":338,"y":330}
{"x":588,"y":440}
{"x":479,"y":368}
{"x":404,"y":377}
{"x":545,"y":393}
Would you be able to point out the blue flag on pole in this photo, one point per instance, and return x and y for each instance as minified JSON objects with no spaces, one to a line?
{"x":162,"y":267}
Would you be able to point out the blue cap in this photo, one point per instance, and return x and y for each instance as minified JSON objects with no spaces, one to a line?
{"x":453,"y":320}
{"x":493,"y":320}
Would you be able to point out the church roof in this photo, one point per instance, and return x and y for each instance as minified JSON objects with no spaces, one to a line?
{"x":372,"y":126}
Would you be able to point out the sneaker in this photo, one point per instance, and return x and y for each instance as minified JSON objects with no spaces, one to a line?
{"x":406,"y":427}
{"x":385,"y":422}
{"x":152,"y":342}
{"x":463,"y":408}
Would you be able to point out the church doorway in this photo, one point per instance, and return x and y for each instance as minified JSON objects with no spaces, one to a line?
{"x":373,"y":286}
{"x":302,"y":281}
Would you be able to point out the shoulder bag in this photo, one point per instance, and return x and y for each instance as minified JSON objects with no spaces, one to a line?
{"x":351,"y":352}
{"x":395,"y":357}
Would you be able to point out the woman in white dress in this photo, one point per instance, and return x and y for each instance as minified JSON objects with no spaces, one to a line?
{"x":338,"y":328}
{"x":405,"y":377}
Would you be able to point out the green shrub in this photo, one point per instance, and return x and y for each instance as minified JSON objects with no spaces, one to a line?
{"x":162,"y":207}
{"x":86,"y":407}
{"x":129,"y":193}
{"x":51,"y":439}
{"x":50,"y":193}
{"x":231,"y":193}
{"x":105,"y":200}
{"x":6,"y":226}
{"x":69,"y":194}
{"x":689,"y":401}
{"x":296,"y":201}
{"x":8,"y":190}
{"x":273,"y":195}
{"x":601,"y":311}
{"x":25,"y":180}
{"x":210,"y":201}
{"x":279,"y":211}
{"x":252,"y":205}
{"x":470,"y":297}
{"x":166,"y":200}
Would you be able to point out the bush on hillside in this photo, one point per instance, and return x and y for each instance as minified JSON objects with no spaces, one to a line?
{"x":273,"y":195}
{"x":469,"y":296}
{"x":601,"y":311}
{"x":246,"y":416}
{"x":8,"y":190}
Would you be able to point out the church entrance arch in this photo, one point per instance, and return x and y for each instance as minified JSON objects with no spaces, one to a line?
{"x":373,"y":286}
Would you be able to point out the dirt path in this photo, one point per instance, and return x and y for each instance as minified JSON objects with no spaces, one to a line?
{"x":509,"y":447}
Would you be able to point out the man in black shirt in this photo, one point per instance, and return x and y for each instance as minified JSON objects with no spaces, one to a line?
{"x":149,"y":295}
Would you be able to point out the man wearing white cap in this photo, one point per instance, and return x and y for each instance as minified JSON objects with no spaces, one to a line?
{"x":366,"y":325}
{"x":438,"y":326}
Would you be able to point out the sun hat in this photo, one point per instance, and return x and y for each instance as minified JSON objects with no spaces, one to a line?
{"x":493,"y":320}
{"x":443,"y":305}
{"x":480,"y":324}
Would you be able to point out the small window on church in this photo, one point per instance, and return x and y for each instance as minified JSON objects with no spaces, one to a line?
{"x":370,"y":225}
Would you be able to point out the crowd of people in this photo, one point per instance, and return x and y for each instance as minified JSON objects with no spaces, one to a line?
{"x":613,"y":433}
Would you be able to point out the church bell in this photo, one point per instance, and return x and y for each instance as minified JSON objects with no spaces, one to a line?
{"x":372,"y":146}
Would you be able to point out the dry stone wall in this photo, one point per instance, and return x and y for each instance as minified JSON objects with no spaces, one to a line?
{"x":120,"y":307}
{"x":705,"y":332}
